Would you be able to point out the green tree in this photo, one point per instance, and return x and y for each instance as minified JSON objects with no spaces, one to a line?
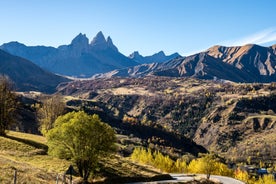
{"x":82,"y":138}
{"x":8,"y":104}
{"x":50,"y":109}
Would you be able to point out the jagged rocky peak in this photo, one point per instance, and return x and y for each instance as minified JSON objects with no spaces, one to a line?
{"x":135,"y":54}
{"x":80,"y":40}
{"x":160,"y":54}
{"x":110,"y":44}
{"x":98,"y":40}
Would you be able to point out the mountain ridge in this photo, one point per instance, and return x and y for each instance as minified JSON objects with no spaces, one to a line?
{"x":27,"y":76}
{"x":79,"y":58}
{"x":248,"y":63}
{"x":157,"y":57}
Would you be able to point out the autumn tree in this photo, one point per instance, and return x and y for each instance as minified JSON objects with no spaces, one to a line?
{"x":266,"y":179}
{"x":181,"y":166}
{"x":8,"y":104}
{"x":48,"y":112}
{"x":243,"y":176}
{"x":82,"y":138}
{"x":208,"y":164}
{"x":156,"y":159}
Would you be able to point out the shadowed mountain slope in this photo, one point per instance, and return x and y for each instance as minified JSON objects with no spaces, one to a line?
{"x":80,"y":58}
{"x":26,"y":75}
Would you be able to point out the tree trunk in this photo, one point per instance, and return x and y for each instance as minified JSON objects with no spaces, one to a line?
{"x":208,"y":176}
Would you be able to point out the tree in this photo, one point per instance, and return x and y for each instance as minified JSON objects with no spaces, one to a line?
{"x":8,"y":104}
{"x":49,"y":111}
{"x":181,"y":166}
{"x":206,"y":164}
{"x":242,"y":175}
{"x":266,"y":179}
{"x":82,"y":138}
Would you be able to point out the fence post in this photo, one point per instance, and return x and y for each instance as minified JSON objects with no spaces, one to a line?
{"x":64,"y":179}
{"x":57,"y":179}
{"x":15,"y":176}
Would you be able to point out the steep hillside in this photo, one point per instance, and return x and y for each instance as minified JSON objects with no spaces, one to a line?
{"x":243,"y":125}
{"x":80,"y":58}
{"x":223,"y":117}
{"x":26,"y":75}
{"x":27,"y":154}
{"x":251,"y":58}
{"x":249,"y":63}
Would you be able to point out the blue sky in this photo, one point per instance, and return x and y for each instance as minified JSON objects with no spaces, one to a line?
{"x":147,"y":26}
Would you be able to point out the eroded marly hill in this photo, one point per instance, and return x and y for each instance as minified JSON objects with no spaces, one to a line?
{"x":223,"y":117}
{"x":248,"y":63}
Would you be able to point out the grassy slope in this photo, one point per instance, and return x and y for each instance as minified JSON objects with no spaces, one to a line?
{"x":26,"y":153}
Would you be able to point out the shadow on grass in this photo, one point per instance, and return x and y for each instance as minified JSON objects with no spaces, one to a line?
{"x":29,"y":142}
{"x":117,"y":180}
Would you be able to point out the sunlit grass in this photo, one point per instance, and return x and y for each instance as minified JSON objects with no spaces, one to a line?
{"x":26,"y":153}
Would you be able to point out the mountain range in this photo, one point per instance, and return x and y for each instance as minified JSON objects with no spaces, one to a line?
{"x":27,"y":76}
{"x":101,"y":59}
{"x":80,"y":58}
{"x":248,"y":63}
{"x":158,"y":57}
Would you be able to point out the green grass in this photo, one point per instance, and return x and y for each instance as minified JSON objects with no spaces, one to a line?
{"x":27,"y":153}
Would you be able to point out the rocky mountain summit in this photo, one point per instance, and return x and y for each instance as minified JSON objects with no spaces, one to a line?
{"x":248,"y":63}
{"x":80,"y":58}
{"x":157,"y":57}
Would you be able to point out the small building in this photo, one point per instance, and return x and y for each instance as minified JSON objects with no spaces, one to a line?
{"x":262,"y":171}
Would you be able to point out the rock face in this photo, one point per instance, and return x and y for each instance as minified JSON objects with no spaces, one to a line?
{"x":26,"y":75}
{"x":79,"y":58}
{"x":155,"y":58}
{"x":252,"y":58}
{"x":249,"y":63}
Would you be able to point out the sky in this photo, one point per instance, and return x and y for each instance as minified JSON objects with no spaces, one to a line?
{"x":147,"y":26}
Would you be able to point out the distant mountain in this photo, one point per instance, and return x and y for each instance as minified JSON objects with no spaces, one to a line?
{"x":249,"y":63}
{"x":26,"y":75}
{"x":155,"y":58}
{"x":255,"y":59}
{"x":79,"y":58}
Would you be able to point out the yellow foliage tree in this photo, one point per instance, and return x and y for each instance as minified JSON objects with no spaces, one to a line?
{"x":209,"y":165}
{"x":205,"y":164}
{"x":181,"y":166}
{"x":223,"y":170}
{"x":266,"y":179}
{"x":242,"y":175}
{"x":156,"y":159}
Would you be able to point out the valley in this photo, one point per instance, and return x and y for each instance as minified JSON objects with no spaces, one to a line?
{"x":138,"y":91}
{"x":177,"y":116}
{"x":226,"y":118}
{"x":220,"y":101}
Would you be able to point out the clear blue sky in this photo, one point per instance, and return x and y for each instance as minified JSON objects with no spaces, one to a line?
{"x":147,"y":26}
